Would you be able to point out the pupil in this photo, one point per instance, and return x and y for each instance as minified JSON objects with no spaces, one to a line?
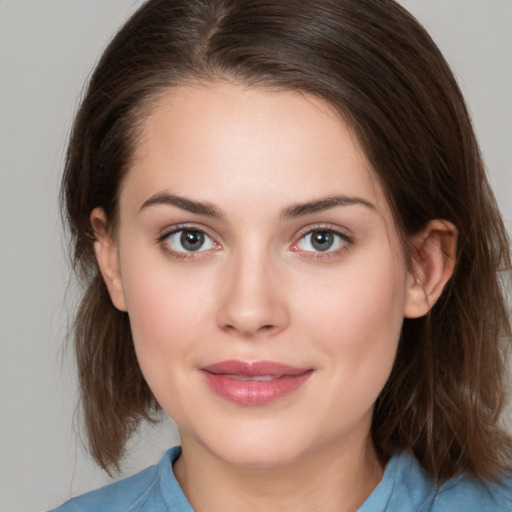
{"x":192,"y":240}
{"x":322,"y":240}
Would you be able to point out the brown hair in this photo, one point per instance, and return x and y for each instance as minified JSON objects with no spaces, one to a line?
{"x":373,"y":62}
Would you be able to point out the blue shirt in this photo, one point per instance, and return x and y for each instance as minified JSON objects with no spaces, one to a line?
{"x":405,"y":487}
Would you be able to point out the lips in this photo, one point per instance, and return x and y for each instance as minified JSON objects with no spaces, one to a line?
{"x":254,"y":383}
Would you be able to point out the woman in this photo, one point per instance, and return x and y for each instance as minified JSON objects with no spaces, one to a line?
{"x":290,"y":246}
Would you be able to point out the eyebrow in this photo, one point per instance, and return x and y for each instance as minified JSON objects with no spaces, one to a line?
{"x":320,"y":205}
{"x":197,"y":207}
{"x":291,"y":212}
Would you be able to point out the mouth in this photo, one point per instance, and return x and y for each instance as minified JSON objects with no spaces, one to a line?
{"x":254,"y":383}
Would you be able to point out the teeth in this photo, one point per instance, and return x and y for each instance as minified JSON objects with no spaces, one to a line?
{"x":253,"y":378}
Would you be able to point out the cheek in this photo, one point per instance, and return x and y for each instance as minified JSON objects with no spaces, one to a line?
{"x":358,"y":318}
{"x":167,"y":315}
{"x":151,"y":307}
{"x":167,"y":309}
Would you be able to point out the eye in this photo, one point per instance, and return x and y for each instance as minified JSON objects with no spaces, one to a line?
{"x":321,"y":240}
{"x":189,"y":240}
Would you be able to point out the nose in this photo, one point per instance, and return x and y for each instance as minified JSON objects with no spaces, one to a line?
{"x":252,"y":297}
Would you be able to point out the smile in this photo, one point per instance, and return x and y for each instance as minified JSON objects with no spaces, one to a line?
{"x":258,"y":378}
{"x":254,"y":383}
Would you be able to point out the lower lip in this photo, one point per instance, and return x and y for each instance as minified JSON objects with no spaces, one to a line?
{"x":255,"y":392}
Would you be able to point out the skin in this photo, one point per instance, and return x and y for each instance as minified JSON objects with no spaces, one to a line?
{"x":259,"y":290}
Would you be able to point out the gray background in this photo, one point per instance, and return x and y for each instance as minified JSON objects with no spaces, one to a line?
{"x":47,"y":49}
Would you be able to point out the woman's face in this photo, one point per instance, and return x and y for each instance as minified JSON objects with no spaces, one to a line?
{"x":261,"y":271}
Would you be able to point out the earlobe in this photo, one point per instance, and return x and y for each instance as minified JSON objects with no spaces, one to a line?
{"x":433,"y":262}
{"x":108,"y":259}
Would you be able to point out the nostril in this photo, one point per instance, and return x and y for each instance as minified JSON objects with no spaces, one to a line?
{"x":248,"y":331}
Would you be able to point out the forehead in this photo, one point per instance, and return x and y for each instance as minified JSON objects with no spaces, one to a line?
{"x":220,"y":140}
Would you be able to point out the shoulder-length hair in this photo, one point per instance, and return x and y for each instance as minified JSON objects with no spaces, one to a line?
{"x":374,"y":63}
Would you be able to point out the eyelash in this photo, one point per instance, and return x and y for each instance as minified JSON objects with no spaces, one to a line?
{"x":184,"y":255}
{"x":344,"y":241}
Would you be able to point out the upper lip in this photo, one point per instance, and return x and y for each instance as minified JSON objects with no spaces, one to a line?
{"x":254,"y":368}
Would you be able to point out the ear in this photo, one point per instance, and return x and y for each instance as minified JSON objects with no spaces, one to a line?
{"x":433,"y":261}
{"x":108,"y":258}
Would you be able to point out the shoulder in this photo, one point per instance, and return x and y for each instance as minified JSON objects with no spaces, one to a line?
{"x":406,"y":486}
{"x":465,"y":494}
{"x":118,"y":496}
{"x":150,"y":489}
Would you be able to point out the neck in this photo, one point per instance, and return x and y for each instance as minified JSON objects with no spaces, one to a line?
{"x":330,"y":480}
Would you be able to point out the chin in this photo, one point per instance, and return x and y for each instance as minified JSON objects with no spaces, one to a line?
{"x":246,"y":448}
{"x":258,"y":457}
